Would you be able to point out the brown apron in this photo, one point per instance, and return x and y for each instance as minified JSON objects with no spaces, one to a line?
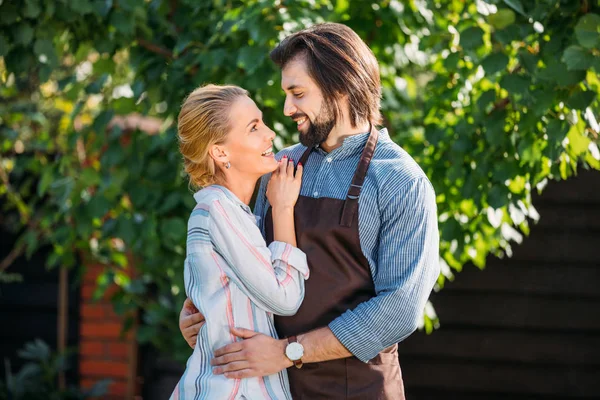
{"x":340,"y":279}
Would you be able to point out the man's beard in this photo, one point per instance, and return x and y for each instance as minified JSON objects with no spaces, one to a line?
{"x":319,"y":129}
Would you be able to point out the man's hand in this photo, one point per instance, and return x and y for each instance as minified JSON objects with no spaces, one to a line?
{"x":256,"y":355}
{"x":190,"y":322}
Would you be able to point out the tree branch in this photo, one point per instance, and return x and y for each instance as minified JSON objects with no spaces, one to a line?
{"x":155,"y":48}
{"x":11,"y":257}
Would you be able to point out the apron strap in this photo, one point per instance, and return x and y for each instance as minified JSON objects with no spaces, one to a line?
{"x":305,"y":155}
{"x":351,"y":204}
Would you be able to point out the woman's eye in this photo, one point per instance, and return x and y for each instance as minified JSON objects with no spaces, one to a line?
{"x":254,"y":128}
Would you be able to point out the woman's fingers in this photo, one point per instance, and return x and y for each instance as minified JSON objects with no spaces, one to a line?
{"x":283,"y":165}
{"x":299,"y":171}
{"x":290,"y":168}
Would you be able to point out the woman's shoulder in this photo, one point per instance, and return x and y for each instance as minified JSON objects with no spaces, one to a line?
{"x":213,"y":200}
{"x":209,"y":195}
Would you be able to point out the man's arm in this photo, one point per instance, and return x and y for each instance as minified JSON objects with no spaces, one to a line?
{"x":262,"y":355}
{"x":408,"y":266}
{"x":190,"y":322}
{"x":407,"y":269}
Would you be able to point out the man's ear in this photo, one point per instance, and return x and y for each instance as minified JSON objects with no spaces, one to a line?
{"x":219,"y":154}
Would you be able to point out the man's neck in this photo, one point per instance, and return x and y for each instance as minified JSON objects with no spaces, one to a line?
{"x":340,"y":132}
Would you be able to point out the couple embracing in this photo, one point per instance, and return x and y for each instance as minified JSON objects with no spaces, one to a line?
{"x":307,"y":296}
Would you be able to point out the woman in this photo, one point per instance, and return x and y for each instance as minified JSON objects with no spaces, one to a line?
{"x":232,"y":277}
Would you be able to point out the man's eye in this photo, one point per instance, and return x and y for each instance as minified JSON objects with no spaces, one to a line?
{"x":298,"y":95}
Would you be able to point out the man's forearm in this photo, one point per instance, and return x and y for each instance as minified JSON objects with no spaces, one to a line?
{"x":322,"y":345}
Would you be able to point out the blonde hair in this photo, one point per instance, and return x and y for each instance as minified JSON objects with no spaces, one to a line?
{"x":203,"y":122}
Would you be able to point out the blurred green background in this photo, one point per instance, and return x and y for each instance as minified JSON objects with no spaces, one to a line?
{"x":493,"y":99}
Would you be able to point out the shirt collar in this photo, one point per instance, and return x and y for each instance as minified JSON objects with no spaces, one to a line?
{"x":352,"y":145}
{"x":230,"y":196}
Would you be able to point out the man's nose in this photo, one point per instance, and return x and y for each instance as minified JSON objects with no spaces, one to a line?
{"x":289,"y":108}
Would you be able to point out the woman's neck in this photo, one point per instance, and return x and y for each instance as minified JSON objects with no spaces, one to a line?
{"x":241,"y":186}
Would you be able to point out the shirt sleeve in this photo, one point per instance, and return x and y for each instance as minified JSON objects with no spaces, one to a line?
{"x":261,"y":204}
{"x":407,"y":269}
{"x":273,"y":277}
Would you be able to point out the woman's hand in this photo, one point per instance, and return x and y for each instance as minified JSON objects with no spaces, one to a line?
{"x":284,"y":188}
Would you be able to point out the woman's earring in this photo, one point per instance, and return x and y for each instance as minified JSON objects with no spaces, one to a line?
{"x":228,"y":165}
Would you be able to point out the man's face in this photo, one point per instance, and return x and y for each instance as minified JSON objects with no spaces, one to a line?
{"x":304,"y":103}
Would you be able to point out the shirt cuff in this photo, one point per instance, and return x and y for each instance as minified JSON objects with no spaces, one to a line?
{"x":290,"y":255}
{"x":356,"y":336}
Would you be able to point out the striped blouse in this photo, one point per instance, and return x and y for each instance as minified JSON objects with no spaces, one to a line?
{"x":235,"y":280}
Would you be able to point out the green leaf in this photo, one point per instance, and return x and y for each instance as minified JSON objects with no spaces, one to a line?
{"x":498,"y":196}
{"x":31,"y":243}
{"x":557,"y":130}
{"x":494,"y":63}
{"x":32,"y":9}
{"x":581,"y":100}
{"x":170,"y":202}
{"x":471,"y":38}
{"x":122,"y":22}
{"x":90,"y":177}
{"x":515,"y":5}
{"x":485,"y":100}
{"x":98,"y":207}
{"x":4,"y":46}
{"x":587,"y":31}
{"x":502,"y":19}
{"x":558,"y":73}
{"x":250,"y":58}
{"x":578,"y":142}
{"x":529,"y":61}
{"x":45,"y":181}
{"x":45,"y":51}
{"x":97,"y":85}
{"x":23,"y":34}
{"x":515,"y":84}
{"x":124,"y":229}
{"x":494,"y":128}
{"x":173,"y":230}
{"x":577,"y":58}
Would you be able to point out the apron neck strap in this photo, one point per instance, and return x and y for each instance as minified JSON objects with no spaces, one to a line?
{"x":351,"y":204}
{"x":305,"y":155}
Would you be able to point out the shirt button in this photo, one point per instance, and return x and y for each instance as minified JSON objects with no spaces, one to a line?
{"x":315,"y":194}
{"x":329,"y":159}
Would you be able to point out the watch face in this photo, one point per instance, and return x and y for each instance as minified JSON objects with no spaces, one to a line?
{"x":294,"y":351}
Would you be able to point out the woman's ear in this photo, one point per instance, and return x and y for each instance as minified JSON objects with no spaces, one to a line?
{"x":219,"y":154}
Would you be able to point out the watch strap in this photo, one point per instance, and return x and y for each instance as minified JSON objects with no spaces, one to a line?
{"x":297,"y":363}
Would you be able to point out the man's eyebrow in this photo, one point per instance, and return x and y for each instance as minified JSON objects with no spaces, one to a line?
{"x":292,"y":87}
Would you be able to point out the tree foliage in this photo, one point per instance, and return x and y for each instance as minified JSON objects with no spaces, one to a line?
{"x":492,"y":98}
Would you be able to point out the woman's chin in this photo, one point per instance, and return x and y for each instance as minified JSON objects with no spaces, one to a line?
{"x":271,"y":165}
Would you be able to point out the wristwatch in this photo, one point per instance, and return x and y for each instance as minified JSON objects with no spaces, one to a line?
{"x":294,"y":351}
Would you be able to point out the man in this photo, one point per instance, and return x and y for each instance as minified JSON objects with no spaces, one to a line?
{"x":366,"y":219}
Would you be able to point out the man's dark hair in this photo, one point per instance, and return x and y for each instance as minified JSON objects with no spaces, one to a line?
{"x":341,"y":64}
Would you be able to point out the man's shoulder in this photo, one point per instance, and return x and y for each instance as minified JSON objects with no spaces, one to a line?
{"x":393,"y":165}
{"x":294,"y":152}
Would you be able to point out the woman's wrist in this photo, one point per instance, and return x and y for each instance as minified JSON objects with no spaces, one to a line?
{"x":283,"y":210}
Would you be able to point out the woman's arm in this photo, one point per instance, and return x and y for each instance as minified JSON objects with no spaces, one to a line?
{"x":272,"y":276}
{"x":283,"y":191}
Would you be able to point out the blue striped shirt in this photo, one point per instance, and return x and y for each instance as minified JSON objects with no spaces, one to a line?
{"x":397,"y":221}
{"x":235,"y":280}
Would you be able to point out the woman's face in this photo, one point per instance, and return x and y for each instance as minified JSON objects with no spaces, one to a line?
{"x":249,"y":144}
